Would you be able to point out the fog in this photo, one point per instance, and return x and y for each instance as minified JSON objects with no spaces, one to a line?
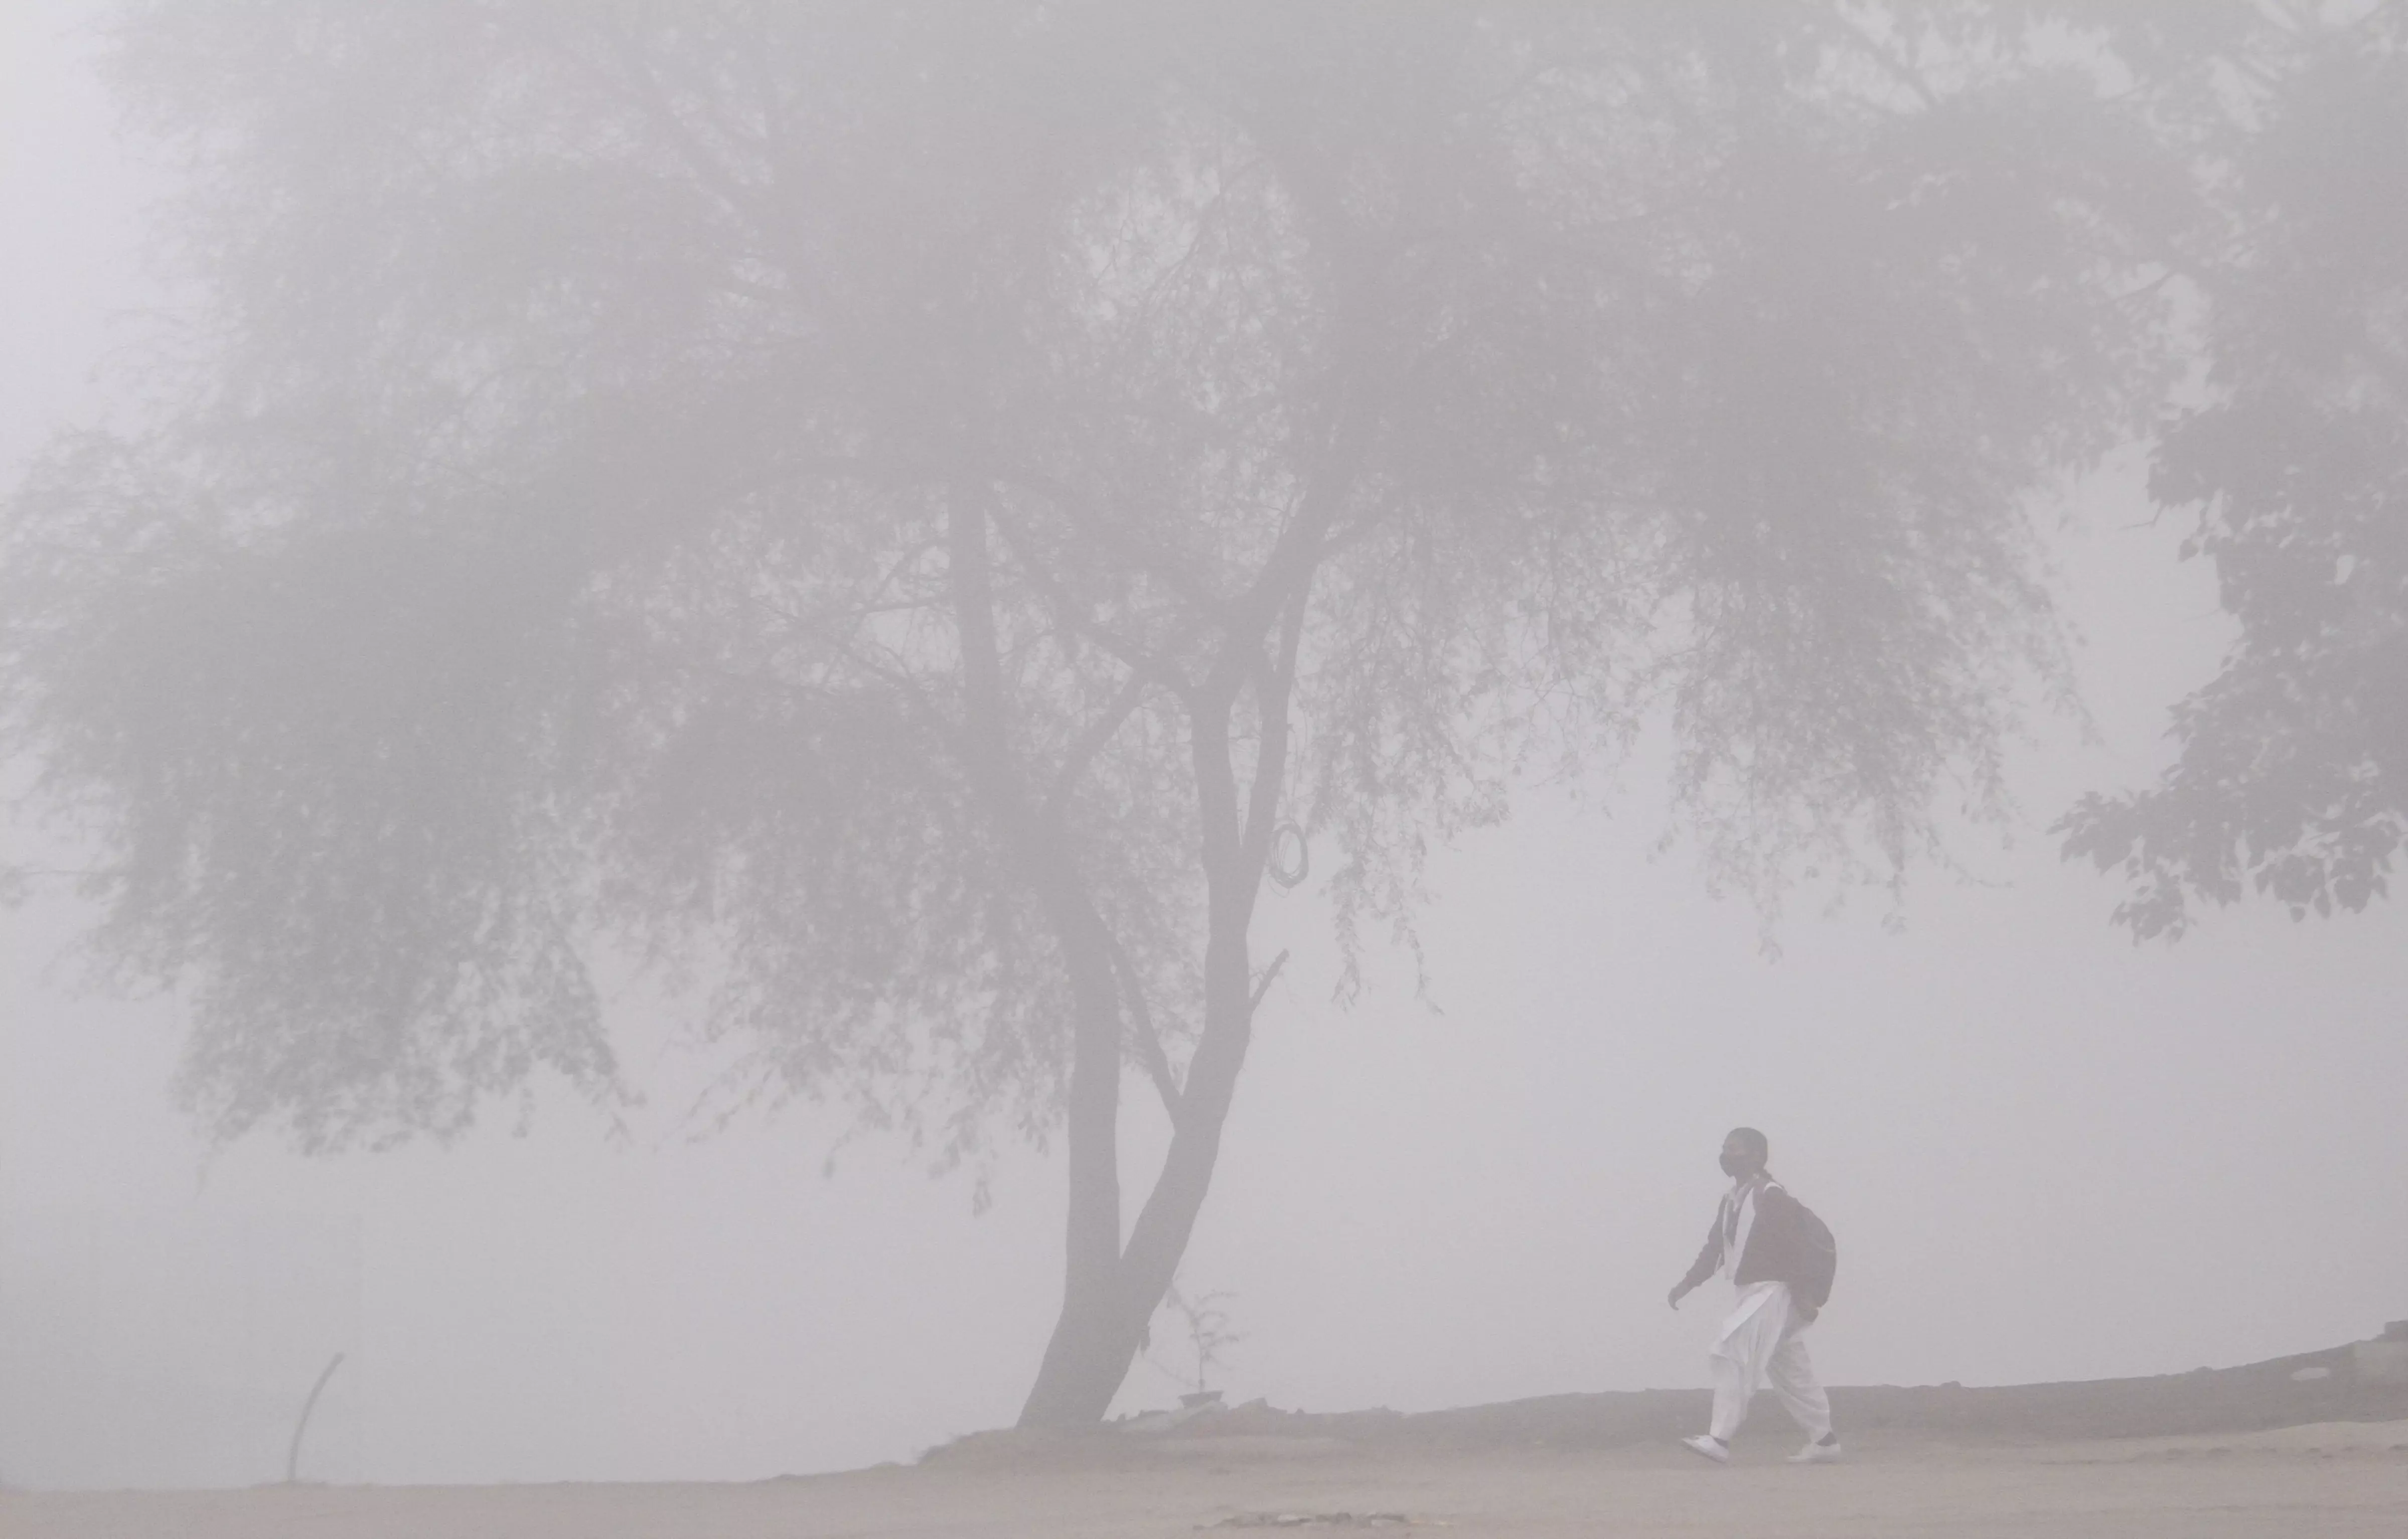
{"x":2049,"y":1152}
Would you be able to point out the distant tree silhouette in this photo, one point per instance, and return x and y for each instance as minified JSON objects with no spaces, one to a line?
{"x":894,"y":505}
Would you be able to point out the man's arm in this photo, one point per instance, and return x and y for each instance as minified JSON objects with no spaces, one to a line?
{"x":1703,"y":1267}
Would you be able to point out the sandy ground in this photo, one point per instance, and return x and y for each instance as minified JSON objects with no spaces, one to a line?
{"x":2328,"y":1480}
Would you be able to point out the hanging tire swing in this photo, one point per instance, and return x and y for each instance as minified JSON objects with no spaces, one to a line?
{"x":1290,"y":859}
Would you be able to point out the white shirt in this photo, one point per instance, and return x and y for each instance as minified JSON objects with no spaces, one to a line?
{"x":1739,"y":1217}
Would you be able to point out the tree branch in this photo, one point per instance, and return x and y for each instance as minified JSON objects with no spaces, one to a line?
{"x":1274,"y":684}
{"x":1263,"y":985}
{"x":1108,"y":532}
{"x":985,"y":741}
{"x":1092,"y":741}
{"x":649,"y":96}
{"x":1898,"y":70}
{"x":1140,"y":1020}
{"x":1139,"y":661}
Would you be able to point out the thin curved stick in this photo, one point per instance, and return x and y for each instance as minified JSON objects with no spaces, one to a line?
{"x":292,"y":1454}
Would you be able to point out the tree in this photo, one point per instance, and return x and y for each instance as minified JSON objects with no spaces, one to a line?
{"x":2292,"y":778}
{"x":894,"y":504}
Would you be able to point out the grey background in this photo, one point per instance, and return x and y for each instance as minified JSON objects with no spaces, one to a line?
{"x":2047,"y":1153}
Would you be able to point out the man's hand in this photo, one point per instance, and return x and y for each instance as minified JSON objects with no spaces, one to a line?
{"x":1678,"y":1293}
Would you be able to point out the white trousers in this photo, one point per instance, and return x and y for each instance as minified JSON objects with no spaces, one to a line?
{"x":1759,"y":1347}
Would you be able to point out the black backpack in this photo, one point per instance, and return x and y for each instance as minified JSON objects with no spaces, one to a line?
{"x":1815,"y":1258}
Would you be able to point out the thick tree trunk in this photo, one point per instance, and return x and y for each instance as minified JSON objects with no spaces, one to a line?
{"x":1105,"y":1307}
{"x":1085,"y":1351}
{"x":1163,"y":1225}
{"x":1098,"y":1334}
{"x":1091,"y":1344}
{"x":1109,"y":1294}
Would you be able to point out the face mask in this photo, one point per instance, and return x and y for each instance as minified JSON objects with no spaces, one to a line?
{"x":1732,"y":1166}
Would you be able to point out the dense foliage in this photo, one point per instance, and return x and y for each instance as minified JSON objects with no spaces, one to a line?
{"x":2293,"y":454}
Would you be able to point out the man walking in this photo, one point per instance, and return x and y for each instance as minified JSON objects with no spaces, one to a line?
{"x":1780,"y":1258}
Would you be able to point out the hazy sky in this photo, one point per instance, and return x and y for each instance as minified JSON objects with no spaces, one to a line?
{"x":2047,"y":1153}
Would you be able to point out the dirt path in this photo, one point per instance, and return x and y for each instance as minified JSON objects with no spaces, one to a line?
{"x":2336,"y":1481}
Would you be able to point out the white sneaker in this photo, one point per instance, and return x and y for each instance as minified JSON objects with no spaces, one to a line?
{"x":1818,"y":1453}
{"x":1711,"y":1447}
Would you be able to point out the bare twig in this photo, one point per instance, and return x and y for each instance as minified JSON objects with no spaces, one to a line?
{"x":1263,"y":985}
